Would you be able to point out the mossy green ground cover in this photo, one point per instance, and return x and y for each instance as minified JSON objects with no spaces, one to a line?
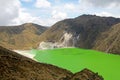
{"x":74,"y":59}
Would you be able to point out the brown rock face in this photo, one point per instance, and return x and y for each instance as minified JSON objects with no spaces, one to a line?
{"x":109,"y":41}
{"x":16,"y":67}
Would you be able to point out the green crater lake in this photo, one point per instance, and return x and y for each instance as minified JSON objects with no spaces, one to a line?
{"x":75,"y":59}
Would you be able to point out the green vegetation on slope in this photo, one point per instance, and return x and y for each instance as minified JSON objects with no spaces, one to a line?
{"x":75,"y":59}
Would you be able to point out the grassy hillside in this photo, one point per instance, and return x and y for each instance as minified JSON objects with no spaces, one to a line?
{"x":75,"y":59}
{"x":24,"y":36}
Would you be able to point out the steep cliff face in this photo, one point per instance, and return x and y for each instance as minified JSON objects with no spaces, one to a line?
{"x":79,"y":32}
{"x":23,"y":36}
{"x":16,"y":67}
{"x":109,"y":41}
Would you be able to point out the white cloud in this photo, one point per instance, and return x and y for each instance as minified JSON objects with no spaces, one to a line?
{"x":9,"y":10}
{"x":104,"y":14}
{"x":114,"y":5}
{"x":107,"y":14}
{"x":100,"y":7}
{"x":42,"y":4}
{"x":102,"y":3}
{"x":25,"y":17}
{"x":12,"y":13}
{"x":26,"y":0}
{"x":70,"y":6}
{"x":57,"y":15}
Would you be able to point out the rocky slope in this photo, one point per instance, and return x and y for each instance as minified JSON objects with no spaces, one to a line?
{"x":16,"y":67}
{"x":20,"y":37}
{"x":109,"y":41}
{"x":82,"y":31}
{"x":86,"y":75}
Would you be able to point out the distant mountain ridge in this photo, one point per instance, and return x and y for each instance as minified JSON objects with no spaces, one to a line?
{"x":16,"y":67}
{"x":24,"y":36}
{"x":82,"y":31}
{"x":85,"y":31}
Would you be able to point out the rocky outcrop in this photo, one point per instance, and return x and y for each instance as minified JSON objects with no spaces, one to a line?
{"x":86,"y":74}
{"x":65,"y":41}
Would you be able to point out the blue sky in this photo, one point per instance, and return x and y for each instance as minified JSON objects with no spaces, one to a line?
{"x":48,"y":12}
